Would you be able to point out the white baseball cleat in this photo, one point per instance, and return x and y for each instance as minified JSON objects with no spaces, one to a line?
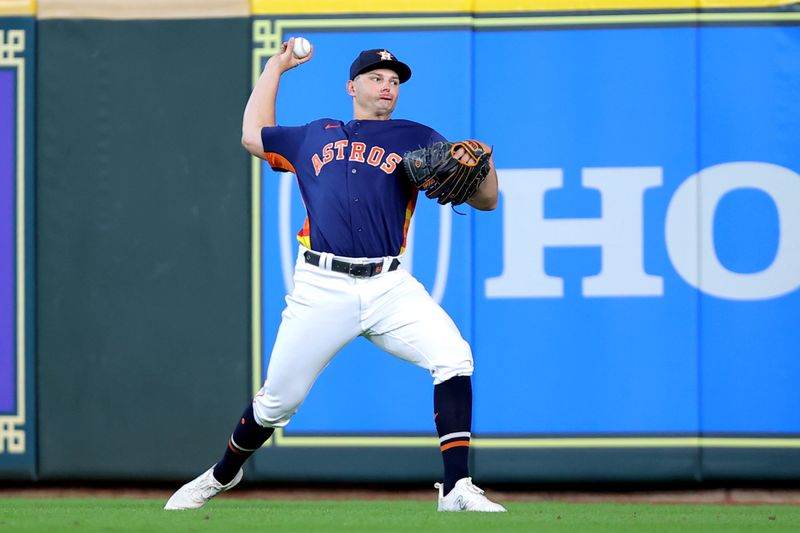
{"x":197,"y":492}
{"x":466,"y":497}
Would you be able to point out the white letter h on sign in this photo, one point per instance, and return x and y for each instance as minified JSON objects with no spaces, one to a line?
{"x":618,"y":232}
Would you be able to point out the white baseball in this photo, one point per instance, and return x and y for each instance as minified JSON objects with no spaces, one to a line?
{"x":301,"y":47}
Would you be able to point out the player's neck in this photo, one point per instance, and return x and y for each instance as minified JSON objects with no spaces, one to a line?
{"x":368,"y":116}
{"x":364,"y":114}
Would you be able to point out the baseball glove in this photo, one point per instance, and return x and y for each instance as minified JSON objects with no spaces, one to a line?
{"x":435,"y":171}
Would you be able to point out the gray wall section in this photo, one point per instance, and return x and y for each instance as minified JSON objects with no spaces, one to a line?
{"x":349,"y":465}
{"x":539,"y":467}
{"x":587,"y":465}
{"x":143,"y":245}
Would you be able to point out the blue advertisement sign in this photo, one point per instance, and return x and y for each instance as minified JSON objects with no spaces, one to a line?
{"x":17,"y":436}
{"x":640,"y":275}
{"x":7,"y":240}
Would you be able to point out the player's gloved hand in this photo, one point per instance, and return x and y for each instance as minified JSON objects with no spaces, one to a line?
{"x":467,"y":157}
{"x":449,"y":172}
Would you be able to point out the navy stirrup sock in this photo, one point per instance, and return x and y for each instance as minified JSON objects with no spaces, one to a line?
{"x":452,"y":407}
{"x":247,"y":438}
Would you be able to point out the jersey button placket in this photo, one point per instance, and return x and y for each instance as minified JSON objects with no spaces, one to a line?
{"x":355,"y":201}
{"x":352,"y":188}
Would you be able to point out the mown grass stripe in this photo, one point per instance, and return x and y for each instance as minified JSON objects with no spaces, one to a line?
{"x":227,"y":513}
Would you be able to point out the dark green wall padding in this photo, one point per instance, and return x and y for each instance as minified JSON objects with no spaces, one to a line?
{"x":143,"y":245}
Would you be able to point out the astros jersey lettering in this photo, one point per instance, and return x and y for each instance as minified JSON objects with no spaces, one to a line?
{"x":358,"y":199}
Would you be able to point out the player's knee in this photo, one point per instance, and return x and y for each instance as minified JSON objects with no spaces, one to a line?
{"x":275,"y":411}
{"x":461,"y":364}
{"x":271,"y":417}
{"x":443,"y":374}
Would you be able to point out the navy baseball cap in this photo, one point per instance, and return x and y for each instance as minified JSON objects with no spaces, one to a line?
{"x":379,"y":58}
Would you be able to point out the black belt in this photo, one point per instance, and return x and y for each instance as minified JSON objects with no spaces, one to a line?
{"x":357,"y":270}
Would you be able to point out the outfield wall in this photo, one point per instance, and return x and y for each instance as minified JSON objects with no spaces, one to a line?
{"x":629,"y":303}
{"x":629,"y":300}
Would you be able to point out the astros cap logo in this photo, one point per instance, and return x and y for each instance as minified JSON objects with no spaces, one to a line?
{"x":376,"y":58}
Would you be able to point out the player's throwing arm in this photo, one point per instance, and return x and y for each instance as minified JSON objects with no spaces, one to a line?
{"x":260,"y":109}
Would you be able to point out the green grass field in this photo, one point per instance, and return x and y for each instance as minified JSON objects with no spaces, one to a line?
{"x":376,"y":516}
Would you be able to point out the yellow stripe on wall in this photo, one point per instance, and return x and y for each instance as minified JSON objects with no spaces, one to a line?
{"x":499,"y":6}
{"x":280,"y":7}
{"x":317,"y":7}
{"x":58,"y":9}
{"x":17,"y":7}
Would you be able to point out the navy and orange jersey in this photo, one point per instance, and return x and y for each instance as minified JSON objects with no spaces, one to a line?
{"x":358,"y":199}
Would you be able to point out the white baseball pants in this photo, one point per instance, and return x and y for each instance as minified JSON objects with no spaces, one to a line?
{"x":326,"y":310}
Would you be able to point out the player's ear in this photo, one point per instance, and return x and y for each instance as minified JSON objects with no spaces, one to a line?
{"x":351,"y":88}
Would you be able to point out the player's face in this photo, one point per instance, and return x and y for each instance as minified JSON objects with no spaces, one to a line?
{"x":374,"y":94}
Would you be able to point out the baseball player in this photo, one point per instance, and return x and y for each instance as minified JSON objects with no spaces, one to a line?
{"x":348,"y":281}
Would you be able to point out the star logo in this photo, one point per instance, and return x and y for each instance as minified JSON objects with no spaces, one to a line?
{"x":385,"y":55}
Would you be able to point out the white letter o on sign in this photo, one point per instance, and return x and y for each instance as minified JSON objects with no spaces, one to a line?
{"x":689,"y":231}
